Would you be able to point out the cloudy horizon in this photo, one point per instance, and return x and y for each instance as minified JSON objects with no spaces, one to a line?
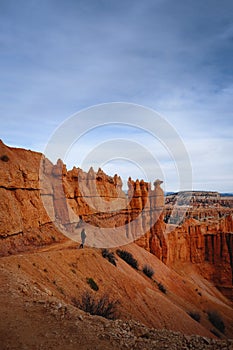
{"x":59,"y":57}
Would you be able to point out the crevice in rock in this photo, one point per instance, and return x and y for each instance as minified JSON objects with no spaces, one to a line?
{"x":229,"y":240}
{"x":11,"y":235}
{"x":19,"y":188}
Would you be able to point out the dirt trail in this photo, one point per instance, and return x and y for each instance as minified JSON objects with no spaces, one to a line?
{"x":59,"y":246}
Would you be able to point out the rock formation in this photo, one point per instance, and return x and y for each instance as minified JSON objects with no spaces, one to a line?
{"x":204,"y":236}
{"x":23,"y":218}
{"x":39,"y":201}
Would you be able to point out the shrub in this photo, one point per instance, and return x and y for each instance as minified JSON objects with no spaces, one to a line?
{"x":128,"y":258}
{"x":148,"y":271}
{"x":109,"y":256}
{"x":162,"y":288}
{"x":5,"y":158}
{"x":195,"y":315}
{"x":216,"y":320}
{"x":215,"y":333}
{"x":92,"y":284}
{"x":102,"y":307}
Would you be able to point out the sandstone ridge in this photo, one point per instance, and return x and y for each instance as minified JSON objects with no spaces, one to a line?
{"x":40,"y":200}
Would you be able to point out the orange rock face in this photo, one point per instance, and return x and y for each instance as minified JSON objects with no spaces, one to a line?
{"x":204,"y":237}
{"x":23,"y":218}
{"x":39,"y":201}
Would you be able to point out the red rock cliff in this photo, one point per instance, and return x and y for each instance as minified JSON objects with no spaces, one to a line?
{"x":23,"y":219}
{"x":203,"y":236}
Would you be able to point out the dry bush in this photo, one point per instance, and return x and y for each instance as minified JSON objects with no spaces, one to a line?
{"x":92,"y":284}
{"x":216,"y":320}
{"x":148,"y":271}
{"x":162,"y":288}
{"x":109,"y":256}
{"x":128,"y":258}
{"x":102,"y":307}
{"x":195,"y":315}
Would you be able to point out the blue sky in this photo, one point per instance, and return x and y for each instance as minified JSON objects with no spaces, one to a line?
{"x":58,"y":57}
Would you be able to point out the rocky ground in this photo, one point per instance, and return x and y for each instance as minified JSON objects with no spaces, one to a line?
{"x":53,"y":325}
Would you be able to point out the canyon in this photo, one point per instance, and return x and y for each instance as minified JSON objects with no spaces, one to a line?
{"x":194,"y":227}
{"x":185,"y":236}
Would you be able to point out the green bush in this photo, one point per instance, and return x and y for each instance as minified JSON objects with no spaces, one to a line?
{"x":102,"y":307}
{"x":92,"y":284}
{"x":162,"y":288}
{"x":109,"y":256}
{"x":128,"y":258}
{"x":195,"y":315}
{"x":148,"y":271}
{"x":216,"y":320}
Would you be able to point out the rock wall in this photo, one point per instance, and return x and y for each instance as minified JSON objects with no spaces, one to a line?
{"x":98,"y":199}
{"x":204,"y":236}
{"x":23,"y":220}
{"x":35,"y":194}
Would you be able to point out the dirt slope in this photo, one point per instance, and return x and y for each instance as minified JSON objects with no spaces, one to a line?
{"x":37,"y":289}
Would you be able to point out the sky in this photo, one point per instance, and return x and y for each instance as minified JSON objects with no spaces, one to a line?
{"x":59,"y":57}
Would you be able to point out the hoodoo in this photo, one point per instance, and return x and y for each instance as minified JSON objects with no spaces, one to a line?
{"x":34,"y":194}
